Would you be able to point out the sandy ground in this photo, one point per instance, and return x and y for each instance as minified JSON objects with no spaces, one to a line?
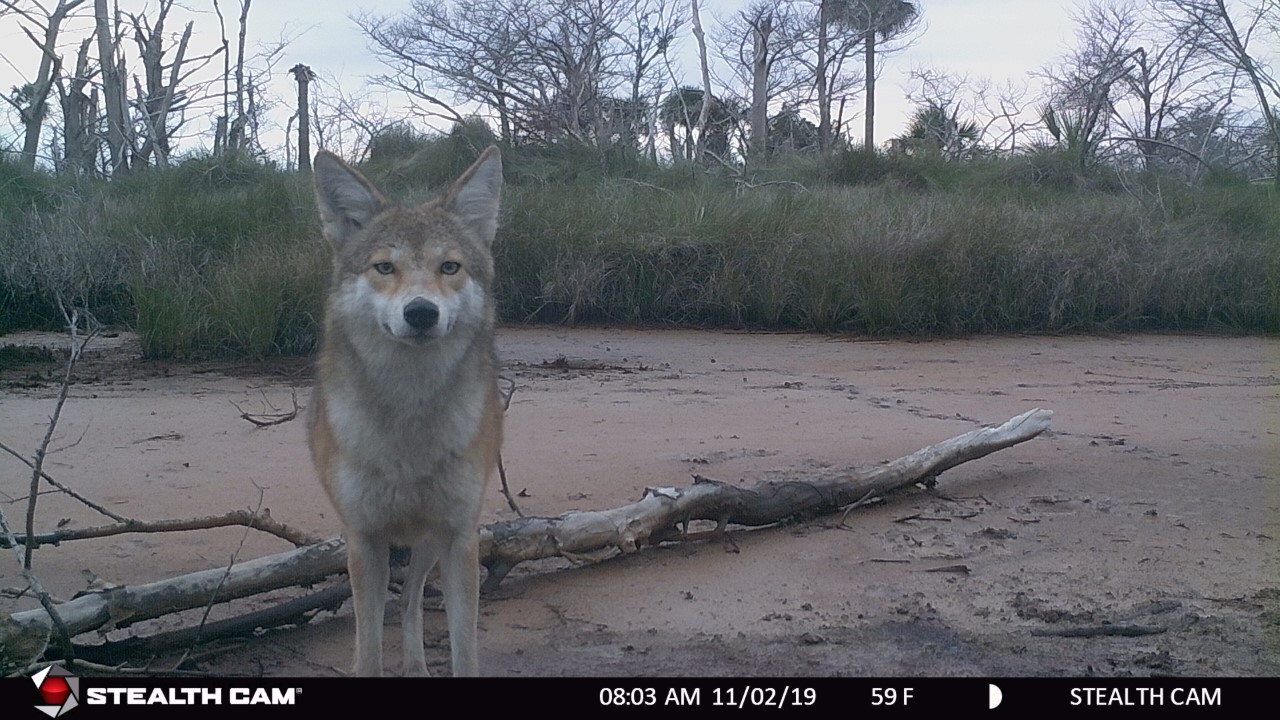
{"x":1153,"y":501}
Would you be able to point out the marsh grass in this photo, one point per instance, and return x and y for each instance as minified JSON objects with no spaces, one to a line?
{"x":883,"y":260}
{"x":216,"y":258}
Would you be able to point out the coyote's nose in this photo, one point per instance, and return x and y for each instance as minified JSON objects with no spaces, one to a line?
{"x":421,"y":313}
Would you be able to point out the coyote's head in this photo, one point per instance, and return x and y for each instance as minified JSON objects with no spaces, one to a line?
{"x":411,"y":273}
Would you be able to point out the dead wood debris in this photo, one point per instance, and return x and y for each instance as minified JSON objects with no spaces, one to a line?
{"x":661,"y":515}
{"x":276,"y":416}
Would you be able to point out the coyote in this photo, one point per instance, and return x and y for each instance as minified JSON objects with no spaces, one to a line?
{"x":406,"y":420}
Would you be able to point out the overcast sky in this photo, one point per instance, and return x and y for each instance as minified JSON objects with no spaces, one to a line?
{"x":997,"y":39}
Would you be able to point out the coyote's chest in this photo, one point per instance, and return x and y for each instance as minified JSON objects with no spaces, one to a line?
{"x":406,"y":452}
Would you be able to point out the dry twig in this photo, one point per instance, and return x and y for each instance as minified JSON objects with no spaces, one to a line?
{"x":61,"y":633}
{"x":508,"y":390}
{"x":213,"y":596}
{"x":246,"y":518}
{"x":277,"y":417}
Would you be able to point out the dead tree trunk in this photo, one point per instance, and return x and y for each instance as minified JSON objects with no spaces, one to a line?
{"x":704,"y":113}
{"x":32,"y":111}
{"x":662,"y":515}
{"x":237,"y":132}
{"x":80,"y":141}
{"x":869,"y":116}
{"x":761,"y":30}
{"x":821,"y":82}
{"x":223,"y":120}
{"x":304,"y":76}
{"x":157,"y":100}
{"x":113,"y":91}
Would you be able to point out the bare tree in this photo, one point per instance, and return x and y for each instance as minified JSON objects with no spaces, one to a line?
{"x":835,"y":39}
{"x":81,"y":114}
{"x":546,"y":71}
{"x":244,"y":97}
{"x":471,"y":50}
{"x":345,"y":123}
{"x":1134,"y":74}
{"x":237,"y":128}
{"x":1161,"y":82}
{"x":998,"y":111}
{"x":1227,"y":34}
{"x":822,"y":71}
{"x":577,"y":60}
{"x":31,"y":100}
{"x":112,"y":65}
{"x":224,"y":119}
{"x":704,"y":111}
{"x":232,"y":133}
{"x":163,"y":96}
{"x":758,"y":45}
{"x":648,"y":35}
{"x":1083,"y":86}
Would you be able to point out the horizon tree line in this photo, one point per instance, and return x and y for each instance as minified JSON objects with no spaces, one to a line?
{"x":1182,"y":85}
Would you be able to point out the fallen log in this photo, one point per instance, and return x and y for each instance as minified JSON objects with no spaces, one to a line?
{"x":24,"y":635}
{"x":662,"y":514}
{"x":296,"y":611}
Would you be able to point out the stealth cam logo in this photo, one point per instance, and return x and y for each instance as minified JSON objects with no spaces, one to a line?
{"x":59,"y":689}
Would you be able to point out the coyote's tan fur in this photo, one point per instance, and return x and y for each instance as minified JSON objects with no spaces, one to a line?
{"x":406,"y":420}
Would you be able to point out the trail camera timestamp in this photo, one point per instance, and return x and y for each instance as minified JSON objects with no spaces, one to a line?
{"x":732,"y":696}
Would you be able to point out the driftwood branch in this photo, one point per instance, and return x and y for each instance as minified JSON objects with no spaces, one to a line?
{"x":663,"y":514}
{"x":242,"y":518}
{"x":24,"y":635}
{"x":293,"y":612}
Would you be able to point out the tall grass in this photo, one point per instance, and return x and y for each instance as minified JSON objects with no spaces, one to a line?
{"x":217,"y":258}
{"x":206,"y":258}
{"x":878,"y":259}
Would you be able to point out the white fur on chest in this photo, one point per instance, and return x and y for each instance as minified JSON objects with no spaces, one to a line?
{"x":405,"y":438}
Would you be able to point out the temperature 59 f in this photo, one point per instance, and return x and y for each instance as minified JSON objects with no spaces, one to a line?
{"x":889,"y":697}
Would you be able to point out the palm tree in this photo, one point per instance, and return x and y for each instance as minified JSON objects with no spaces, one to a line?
{"x":935,"y":129}
{"x":790,"y":132}
{"x":681,"y":109}
{"x":876,"y":18}
{"x":1075,"y":133}
{"x":867,"y":20}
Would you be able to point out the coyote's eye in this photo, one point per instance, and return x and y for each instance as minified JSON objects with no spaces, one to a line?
{"x":384,"y":268}
{"x":450,"y":267}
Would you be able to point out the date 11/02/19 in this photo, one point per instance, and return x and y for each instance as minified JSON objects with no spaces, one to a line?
{"x":733,"y":696}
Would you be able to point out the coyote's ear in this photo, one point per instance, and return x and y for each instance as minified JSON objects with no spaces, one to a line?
{"x":347,"y":200}
{"x":474,"y":197}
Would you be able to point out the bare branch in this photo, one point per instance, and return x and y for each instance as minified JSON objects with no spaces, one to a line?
{"x":45,"y":476}
{"x":235,"y":518}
